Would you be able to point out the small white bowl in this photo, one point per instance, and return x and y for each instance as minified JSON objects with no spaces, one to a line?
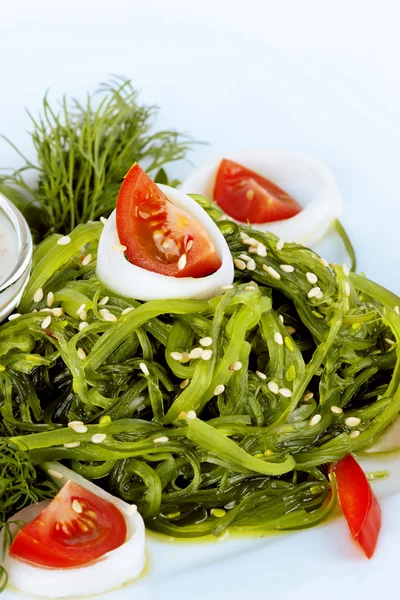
{"x":309,"y":181}
{"x":18,"y":274}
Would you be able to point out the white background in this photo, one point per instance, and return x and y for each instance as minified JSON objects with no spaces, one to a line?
{"x":317,"y":76}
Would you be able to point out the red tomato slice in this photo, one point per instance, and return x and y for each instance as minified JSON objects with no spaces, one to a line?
{"x":159,"y":236}
{"x":249,"y":197}
{"x":76,"y":528}
{"x":358,"y":503}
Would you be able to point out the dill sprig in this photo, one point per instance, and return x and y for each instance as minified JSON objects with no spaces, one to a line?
{"x":85,"y":149}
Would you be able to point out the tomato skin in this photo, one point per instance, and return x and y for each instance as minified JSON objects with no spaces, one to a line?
{"x":248,"y":197}
{"x":60,"y":537}
{"x":358,"y":503}
{"x":157,"y":233}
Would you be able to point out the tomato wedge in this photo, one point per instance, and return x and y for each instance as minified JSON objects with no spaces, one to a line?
{"x":249,"y":197}
{"x":76,"y":528}
{"x":358,"y":503}
{"x":159,"y":236}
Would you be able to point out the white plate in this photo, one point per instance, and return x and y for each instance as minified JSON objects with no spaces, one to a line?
{"x":275,"y":105}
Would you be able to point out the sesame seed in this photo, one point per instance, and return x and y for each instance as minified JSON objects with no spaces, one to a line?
{"x":64,"y":240}
{"x":250,"y":288}
{"x":128,"y":310}
{"x":249,"y":241}
{"x":308,"y":396}
{"x":57,"y":312}
{"x":73,"y":424}
{"x":354,"y":434}
{"x":119,"y":247}
{"x":103,"y":220}
{"x":314,"y":292}
{"x":347,"y":289}
{"x":311,"y":277}
{"x":244,"y":235}
{"x":281,"y":319}
{"x":46,"y":310}
{"x":323,"y":262}
{"x":99,"y":438}
{"x":219,"y":390}
{"x":287,"y":268}
{"x":352,"y":421}
{"x":46,"y":322}
{"x":261,"y":375}
{"x":50,"y":299}
{"x":390,"y":342}
{"x":230,"y":505}
{"x":195,"y":353}
{"x":184,"y":384}
{"x":273,"y":387}
{"x":55,"y":474}
{"x":107,"y":316}
{"x":191,"y":415}
{"x":76,"y":506}
{"x":176,"y":355}
{"x":250,"y":194}
{"x":336,"y":410}
{"x":104,"y":301}
{"x":81,"y":353}
{"x":261,"y":250}
{"x":82,"y":325}
{"x":206,"y":354}
{"x":239,"y":264}
{"x":397,"y":310}
{"x":251,"y":265}
{"x":182,"y":262}
{"x":87,"y":260}
{"x":144,"y":369}
{"x":79,"y":428}
{"x":161,"y":439}
{"x":72,"y":445}
{"x":235,"y":366}
{"x":346,"y":271}
{"x":206,"y":341}
{"x":319,"y":295}
{"x":80,"y":309}
{"x":271,"y":271}
{"x":38,"y":296}
{"x":278,"y":338}
{"x":220,"y":512}
{"x":244,"y":257}
{"x":280,"y":245}
{"x":189,"y":245}
{"x":314,"y":420}
{"x":285,"y":392}
{"x":14,"y":316}
{"x":83,"y":315}
{"x":226,"y":287}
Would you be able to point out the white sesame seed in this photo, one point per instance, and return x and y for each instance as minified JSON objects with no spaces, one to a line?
{"x":87,"y":260}
{"x":308,"y":396}
{"x":206,"y":341}
{"x":184,"y":384}
{"x":83,"y":325}
{"x":219,"y":390}
{"x":131,"y":510}
{"x":244,"y":235}
{"x":176,"y":355}
{"x":99,"y":438}
{"x":76,"y":506}
{"x":46,"y":322}
{"x":354,"y":434}
{"x":206,"y":354}
{"x":261,"y":250}
{"x":189,"y":245}
{"x":235,"y":366}
{"x":55,"y":474}
{"x":250,"y":288}
{"x":72,"y":445}
{"x":319,"y":295}
{"x":261,"y":375}
{"x":311,"y":277}
{"x":345,"y":269}
{"x":226,"y":287}
{"x":271,"y":271}
{"x":182,"y":262}
{"x":119,"y":247}
{"x":81,"y":353}
{"x":347,"y":289}
{"x":249,"y":241}
{"x":50,"y":299}
{"x":287,"y":268}
{"x":281,"y":319}
{"x":323,"y":262}
{"x":390,"y":342}
{"x":314,"y":420}
{"x":38,"y":296}
{"x":278,"y":338}
{"x":14,"y":316}
{"x":336,"y":410}
{"x":191,"y":415}
{"x":104,"y":301}
{"x":128,"y":310}
{"x":83,"y":315}
{"x":239,"y":264}
{"x":46,"y":310}
{"x":244,"y":257}
{"x":144,"y":369}
{"x":64,"y":240}
{"x":251,"y":265}
{"x":73,"y":424}
{"x":185,"y":357}
{"x":80,"y":309}
{"x":161,"y":439}
{"x":273,"y":387}
{"x":195,"y":353}
{"x":107,"y":316}
{"x":280,"y":245}
{"x":314,"y":292}
{"x":397,"y":310}
{"x":285,"y":392}
{"x":352,"y":421}
{"x":79,"y":428}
